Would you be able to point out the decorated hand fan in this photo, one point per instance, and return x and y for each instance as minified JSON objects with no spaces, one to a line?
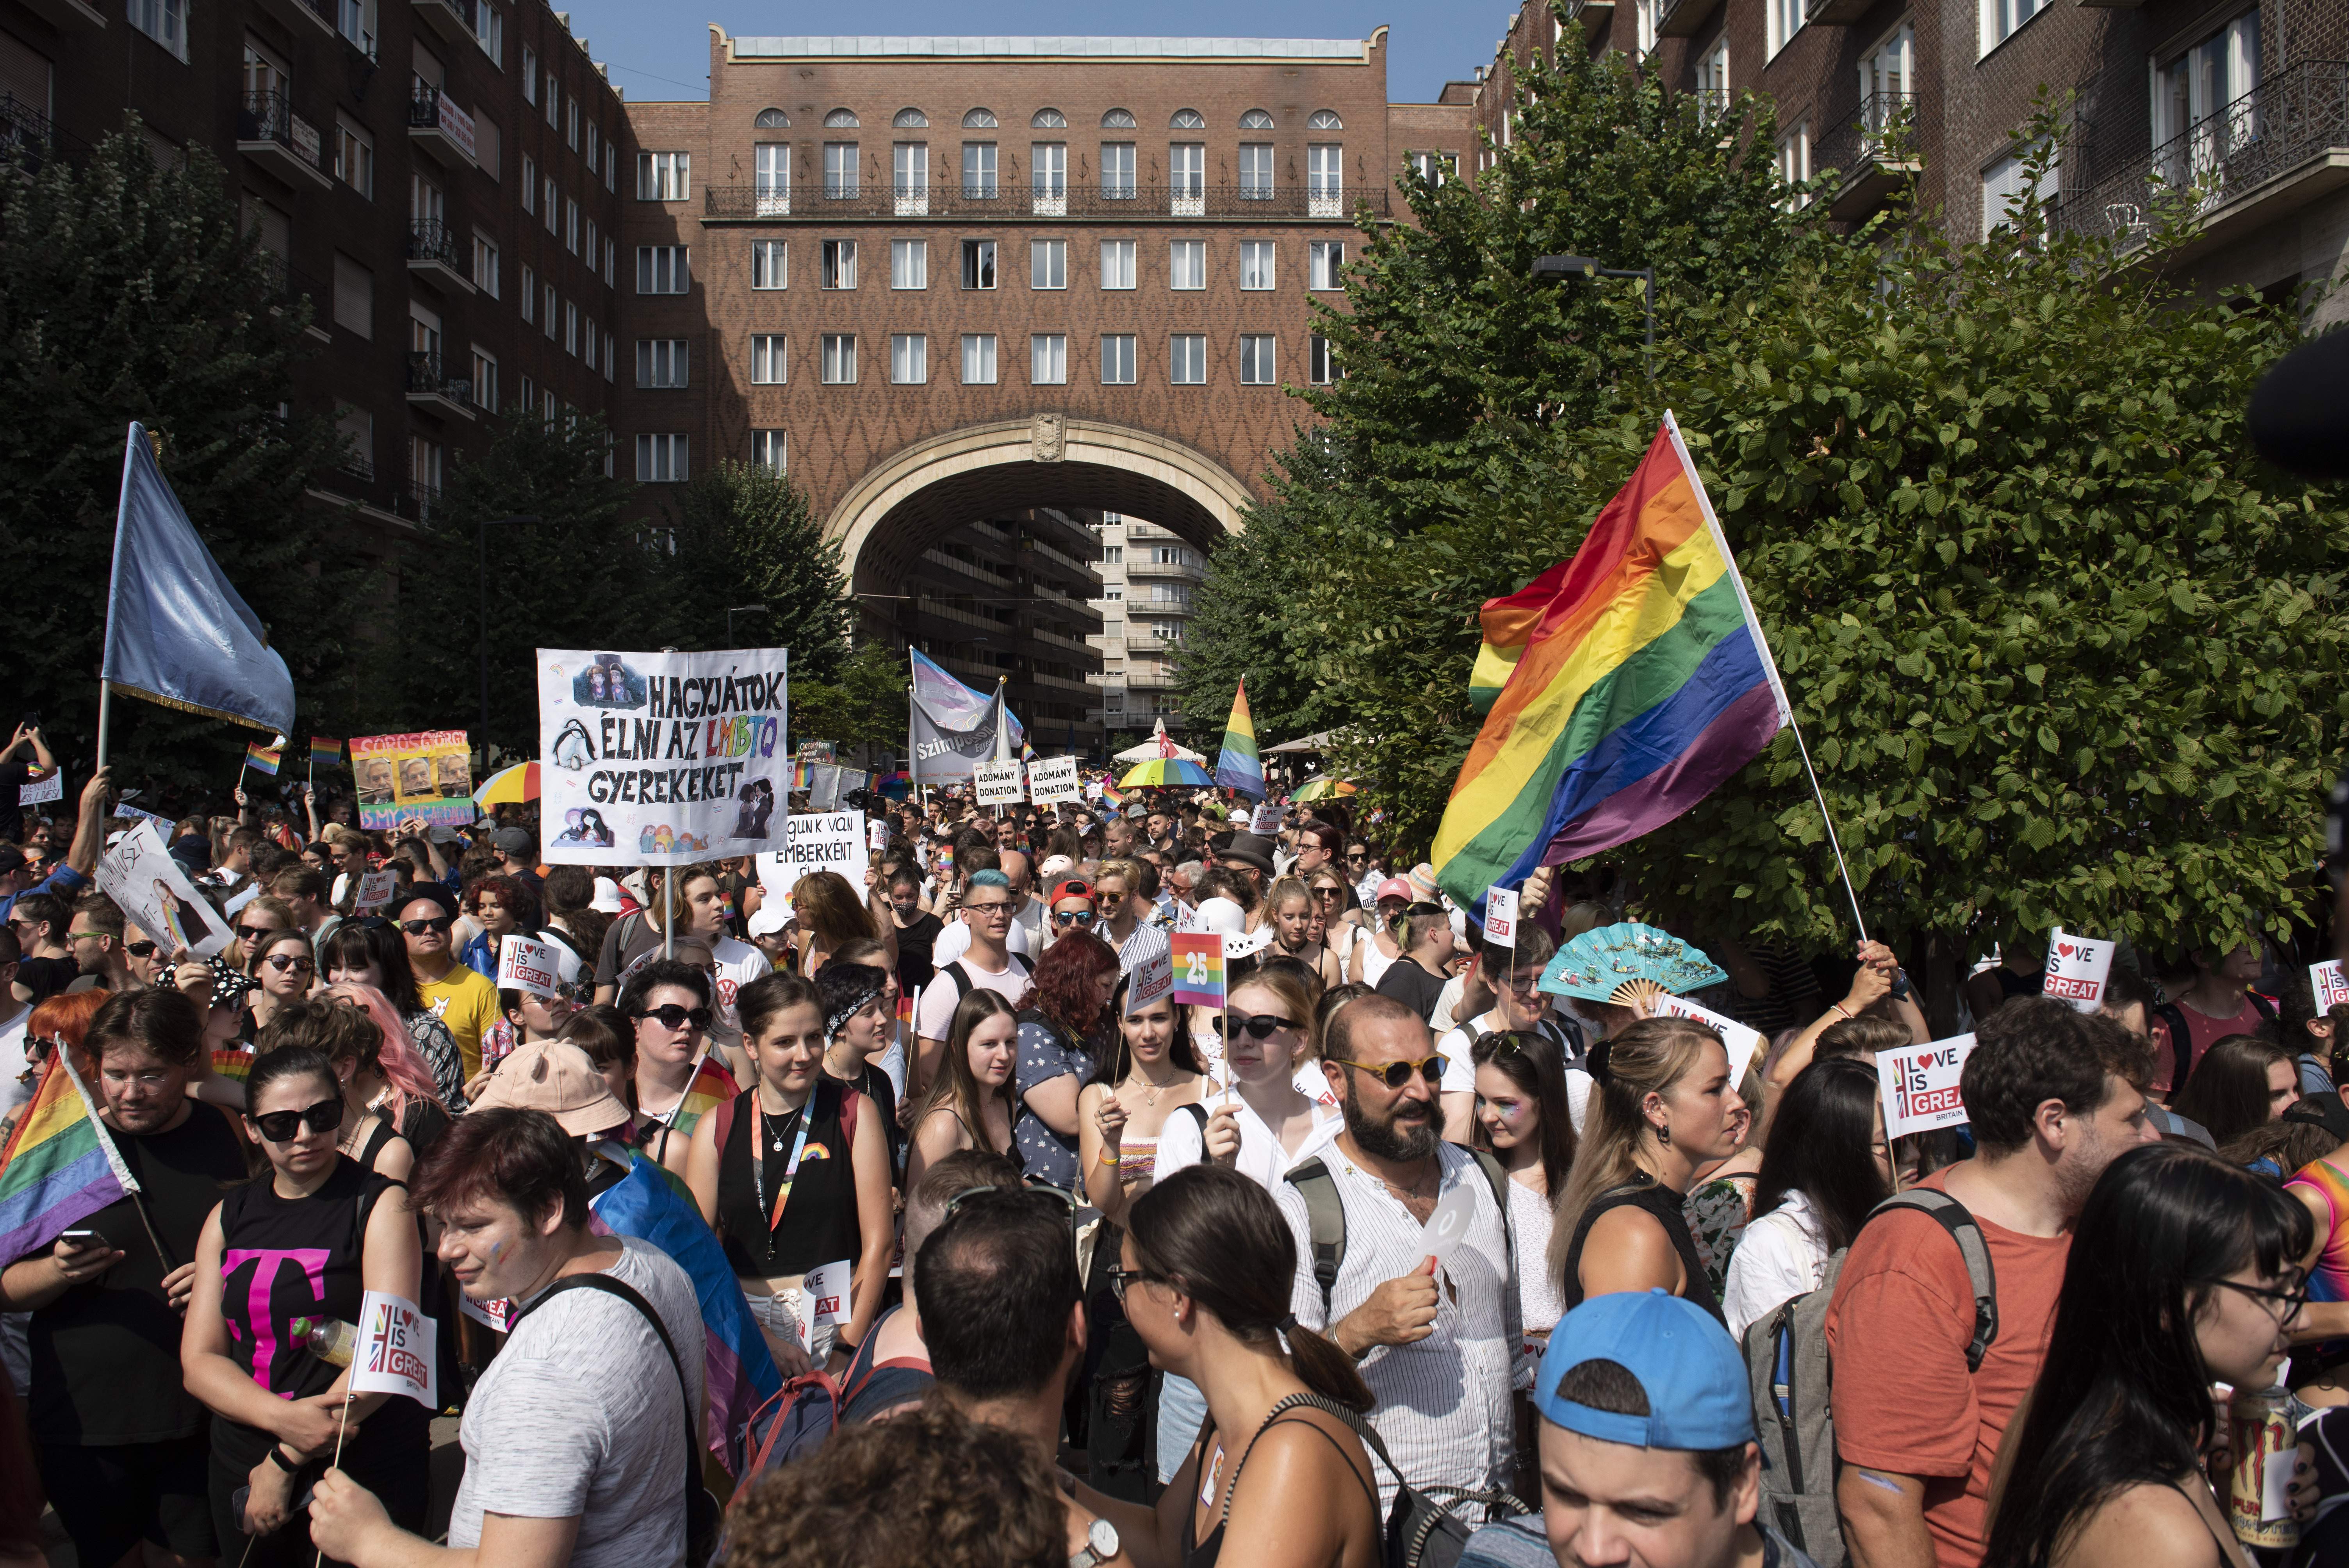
{"x":1623,"y":963}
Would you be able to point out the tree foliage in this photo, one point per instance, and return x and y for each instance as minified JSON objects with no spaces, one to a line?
{"x":864,"y":706}
{"x":747,"y":540}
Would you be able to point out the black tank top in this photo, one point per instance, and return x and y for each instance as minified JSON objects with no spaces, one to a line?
{"x":819,"y":1223}
{"x":1665,"y":1206}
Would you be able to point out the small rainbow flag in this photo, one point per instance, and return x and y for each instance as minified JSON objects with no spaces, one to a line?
{"x":233,"y":1065}
{"x":1240,"y":768}
{"x":1198,"y":968}
{"x":59,"y":1166}
{"x":712,"y":1085}
{"x":261,"y":759}
{"x":326,"y":752}
{"x":1111,"y":795}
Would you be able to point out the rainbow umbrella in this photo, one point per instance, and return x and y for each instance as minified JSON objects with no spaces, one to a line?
{"x":1322,"y":789}
{"x":1168,"y":772}
{"x":507,"y":785}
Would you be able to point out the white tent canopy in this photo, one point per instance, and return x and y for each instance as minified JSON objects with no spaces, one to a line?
{"x":1309,"y":743}
{"x":1158,"y":745}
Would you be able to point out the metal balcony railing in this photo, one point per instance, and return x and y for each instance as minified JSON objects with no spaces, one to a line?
{"x":1191,"y":571}
{"x":1881,"y":130}
{"x":426,"y":379}
{"x":431,"y":242}
{"x":424,"y":106}
{"x":951,"y":199}
{"x":30,"y":138}
{"x":465,"y":10}
{"x":2292,"y":117}
{"x":270,"y":116}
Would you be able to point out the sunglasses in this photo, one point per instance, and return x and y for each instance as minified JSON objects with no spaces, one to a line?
{"x":418,"y":927}
{"x":280,"y":1126}
{"x":670,"y":1016}
{"x":283,"y":965}
{"x":1256,"y":1026}
{"x":254,"y":933}
{"x":1078,"y":917}
{"x":1356,"y":855}
{"x":1394,"y":1074}
{"x":139,"y":949}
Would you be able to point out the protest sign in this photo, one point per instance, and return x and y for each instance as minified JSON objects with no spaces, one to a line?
{"x":2077,"y":970}
{"x":817,"y":751}
{"x":876,"y":835}
{"x":155,"y":895}
{"x":376,"y":889}
{"x":662,"y":758}
{"x":498,"y":1314}
{"x":1153,"y":978}
{"x":132,"y":813}
{"x":1266,"y":817}
{"x":1501,"y":916}
{"x":824,"y":1298}
{"x":525,"y":965}
{"x":1051,"y":780}
{"x":426,"y":778}
{"x":1919,"y":1083}
{"x":52,"y":787}
{"x":1186,"y":917}
{"x":996,"y":783}
{"x":2328,"y":984}
{"x":1198,"y":960}
{"x":1741,"y":1041}
{"x":815,"y":842}
{"x":395,"y":1350}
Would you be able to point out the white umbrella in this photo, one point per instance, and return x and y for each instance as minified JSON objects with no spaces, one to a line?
{"x":1159,"y":746}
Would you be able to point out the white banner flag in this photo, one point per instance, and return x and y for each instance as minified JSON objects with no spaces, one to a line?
{"x":1741,"y":1041}
{"x":824,"y":1298}
{"x":1501,"y":916}
{"x":376,"y":889}
{"x":2326,"y":982}
{"x":395,"y":1353}
{"x":2077,"y":967}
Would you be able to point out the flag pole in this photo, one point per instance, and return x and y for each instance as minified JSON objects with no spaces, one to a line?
{"x":1827,"y":818}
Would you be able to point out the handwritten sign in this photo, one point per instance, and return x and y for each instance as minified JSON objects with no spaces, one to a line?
{"x":139,"y":874}
{"x":52,"y":787}
{"x":2327,"y":984}
{"x":2077,"y":967}
{"x":1154,"y":978}
{"x":814,"y":842}
{"x":395,"y":1353}
{"x":1919,"y":1083}
{"x":824,"y":1298}
{"x":1053,"y":779}
{"x":1741,"y":1041}
{"x":376,"y":889}
{"x":997,"y":783}
{"x":1501,"y":916}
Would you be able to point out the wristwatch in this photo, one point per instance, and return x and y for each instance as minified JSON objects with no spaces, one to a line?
{"x":1101,"y":1545}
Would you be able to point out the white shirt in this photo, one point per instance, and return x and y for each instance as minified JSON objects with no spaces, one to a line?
{"x":1447,"y":1008}
{"x":15,"y":1087}
{"x":738,"y":963}
{"x":1262,"y":1159}
{"x":934,"y":1019}
{"x":955,"y":941}
{"x":1530,"y":1216}
{"x":1782,"y":1254}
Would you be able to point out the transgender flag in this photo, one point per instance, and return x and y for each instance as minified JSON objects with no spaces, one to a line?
{"x":1644,"y":683}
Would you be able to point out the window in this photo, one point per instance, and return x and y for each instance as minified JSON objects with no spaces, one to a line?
{"x":165,"y":21}
{"x":1644,"y":13}
{"x":768,"y":449}
{"x":1112,"y":554}
{"x":1118,"y":119}
{"x":1435,"y":168}
{"x":1048,"y":171}
{"x":587,"y":346}
{"x":529,"y":294}
{"x":1887,"y":74}
{"x":1186,"y":265}
{"x":595,"y":143}
{"x":1116,"y":370}
{"x":529,"y":84}
{"x":571,"y":226}
{"x":663,"y":176}
{"x":1256,"y":263}
{"x":1324,"y":179}
{"x":1187,"y":359}
{"x":1117,"y":263}
{"x":978,"y":263}
{"x":1325,"y":260}
{"x":1325,"y":119}
{"x":1187,"y":119}
{"x":1048,"y":358}
{"x":528,"y":395}
{"x":485,"y":263}
{"x":838,"y":268}
{"x":978,"y":119}
{"x":660,"y":459}
{"x":772,"y":170}
{"x":909,"y":263}
{"x":978,"y":359}
{"x":1320,"y":364}
{"x":546,"y":308}
{"x":978,"y":170}
{"x":529,"y":184}
{"x":607,"y":376}
{"x":663,"y":269}
{"x":1794,"y":154}
{"x":840,"y":170}
{"x":1048,"y":264}
{"x":2001,"y":19}
{"x":553,"y":96}
{"x":424,"y":468}
{"x":911,"y":161}
{"x":2207,"y":90}
{"x":1186,"y":170}
{"x":489,"y":145}
{"x":1255,"y":170}
{"x":771,"y":264}
{"x":1117,"y":170}
{"x":1255,"y":119}
{"x":547,"y":199}
{"x":1256,"y":359}
{"x":2003,"y":187}
{"x":770,"y":359}
{"x":910,"y":358}
{"x":571,"y":125}
{"x":611,"y":166}
{"x":841,"y":120}
{"x":570,"y":328}
{"x":1712,"y":81}
{"x":1782,"y":19}
{"x":610,"y":251}
{"x":354,"y":158}
{"x":587,"y":247}
{"x":354,"y":297}
{"x":1047,"y":120}
{"x":839,"y":358}
{"x":660,"y":362}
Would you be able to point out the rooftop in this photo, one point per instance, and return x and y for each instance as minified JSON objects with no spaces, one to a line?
{"x":1060,"y":47}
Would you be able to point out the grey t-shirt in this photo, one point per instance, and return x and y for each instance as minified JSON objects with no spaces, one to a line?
{"x":579,"y":1414}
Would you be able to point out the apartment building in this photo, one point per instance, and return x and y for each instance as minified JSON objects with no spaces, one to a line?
{"x":1148,"y":575}
{"x":1010,"y":598}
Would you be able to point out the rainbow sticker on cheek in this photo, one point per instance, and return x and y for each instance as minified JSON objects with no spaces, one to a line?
{"x":497,"y":1254}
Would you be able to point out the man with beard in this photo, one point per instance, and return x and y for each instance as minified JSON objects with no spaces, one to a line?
{"x":1435,"y":1339}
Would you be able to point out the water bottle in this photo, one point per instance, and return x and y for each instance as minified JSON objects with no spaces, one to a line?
{"x":330,"y":1339}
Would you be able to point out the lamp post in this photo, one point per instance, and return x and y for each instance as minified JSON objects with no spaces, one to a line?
{"x":481,"y":542}
{"x":1566,"y":269}
{"x":734,"y":609}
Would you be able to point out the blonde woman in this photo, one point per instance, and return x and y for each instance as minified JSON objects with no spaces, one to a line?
{"x":1288,"y":913}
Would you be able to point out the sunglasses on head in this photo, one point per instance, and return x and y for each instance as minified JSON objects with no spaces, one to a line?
{"x":1394,"y":1074}
{"x":280,"y":1126}
{"x":418,"y":927}
{"x":1256,"y":1026}
{"x":670,"y":1016}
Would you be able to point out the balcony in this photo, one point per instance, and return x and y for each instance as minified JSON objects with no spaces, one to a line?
{"x":453,"y":19}
{"x":1145,"y":643}
{"x":29,"y":140}
{"x":1177,"y":608}
{"x":1178,"y":570}
{"x":432,"y":255}
{"x":949,"y":199}
{"x":2262,"y":157}
{"x":1066,"y":562}
{"x":1874,"y":150}
{"x":971,"y":568}
{"x":293,"y":286}
{"x":435,"y":124}
{"x":1150,"y":680}
{"x":1681,"y":18}
{"x":1595,"y":17}
{"x":271,"y":135}
{"x":67,"y":16}
{"x":428,"y":389}
{"x":304,"y":16}
{"x":1835,"y":13}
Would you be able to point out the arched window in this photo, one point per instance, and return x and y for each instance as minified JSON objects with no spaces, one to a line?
{"x":1255,"y":119}
{"x":841,"y":120}
{"x":1049,"y":120}
{"x":1325,"y":119}
{"x":911,"y":120}
{"x":1188,"y":119}
{"x":772,"y":119}
{"x":1118,"y":119}
{"x":979,"y":119}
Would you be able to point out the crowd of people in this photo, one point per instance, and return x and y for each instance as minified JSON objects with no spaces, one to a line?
{"x":895,"y":1220}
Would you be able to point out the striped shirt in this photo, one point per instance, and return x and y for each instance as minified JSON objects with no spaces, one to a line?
{"x":1442,"y":1401}
{"x":1149,"y":941}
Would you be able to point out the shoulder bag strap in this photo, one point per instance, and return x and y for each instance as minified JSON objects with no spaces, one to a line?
{"x":1952,"y":1217}
{"x":1513,"y":1305}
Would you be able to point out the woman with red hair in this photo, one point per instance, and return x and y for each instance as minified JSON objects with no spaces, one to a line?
{"x":1064,"y":1024}
{"x":63,"y":1020}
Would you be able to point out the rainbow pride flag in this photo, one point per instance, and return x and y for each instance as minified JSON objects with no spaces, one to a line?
{"x":712,"y":1085}
{"x":231,"y":1063}
{"x":1508,"y":623}
{"x":261,"y":759}
{"x":1644,"y":683}
{"x":325,"y":752}
{"x":1111,"y":795}
{"x":1198,"y":968}
{"x":59,"y":1166}
{"x":1239,"y":768}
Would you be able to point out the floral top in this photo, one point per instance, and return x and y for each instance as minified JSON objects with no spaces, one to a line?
{"x":437,"y":1047}
{"x":1717,"y":1213}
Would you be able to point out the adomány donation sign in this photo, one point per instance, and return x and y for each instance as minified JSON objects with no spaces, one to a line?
{"x":662,"y":758}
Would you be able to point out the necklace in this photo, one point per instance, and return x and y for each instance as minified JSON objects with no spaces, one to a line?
{"x":775,"y":1133}
{"x":1405,"y":1194}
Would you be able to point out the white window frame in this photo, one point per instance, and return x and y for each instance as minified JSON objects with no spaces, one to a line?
{"x":771,"y":359}
{"x":1186,"y":359}
{"x":910,"y":360}
{"x":485,"y":379}
{"x":982,"y":264}
{"x":1320,"y":361}
{"x":1324,"y":179}
{"x":771,"y":264}
{"x":658,"y":265}
{"x":661,"y":458}
{"x":839,"y":363}
{"x":909,"y":263}
{"x":529,"y":294}
{"x":664,"y":176}
{"x":1782,"y":19}
{"x":979,"y":171}
{"x":1048,"y":359}
{"x":1048,"y":265}
{"x":353,"y":145}
{"x":1118,"y":368}
{"x":1325,"y":265}
{"x":836,"y":268}
{"x":1256,"y":270}
{"x":1117,"y":165}
{"x":842,"y":171}
{"x":664,"y":363}
{"x":1117,"y":264}
{"x":2002,"y":20}
{"x":1187,"y":259}
{"x":978,"y":356}
{"x":485,"y":263}
{"x":529,"y":84}
{"x":529,"y":184}
{"x":772,"y":449}
{"x":1260,"y":359}
{"x":165,"y":21}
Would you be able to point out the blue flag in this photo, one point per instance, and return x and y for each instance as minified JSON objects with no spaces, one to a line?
{"x":176,"y":631}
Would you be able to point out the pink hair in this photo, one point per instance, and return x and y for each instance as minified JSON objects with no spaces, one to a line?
{"x":402,"y":1064}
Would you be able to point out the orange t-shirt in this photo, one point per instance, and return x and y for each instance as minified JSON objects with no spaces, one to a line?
{"x":1898,"y":1329}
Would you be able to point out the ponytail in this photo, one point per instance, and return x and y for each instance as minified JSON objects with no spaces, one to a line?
{"x":1328,"y":1371}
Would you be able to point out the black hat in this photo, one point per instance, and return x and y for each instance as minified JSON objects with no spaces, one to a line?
{"x":1249,"y":850}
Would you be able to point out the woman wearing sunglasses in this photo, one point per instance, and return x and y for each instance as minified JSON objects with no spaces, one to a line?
{"x":1382,"y":946}
{"x":255,"y":921}
{"x":304,"y":1239}
{"x":283,"y":970}
{"x":368,"y":952}
{"x":679,"y":1078}
{"x":2184,"y":1271}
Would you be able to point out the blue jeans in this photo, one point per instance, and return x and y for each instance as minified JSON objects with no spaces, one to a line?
{"x":1181,"y":1411}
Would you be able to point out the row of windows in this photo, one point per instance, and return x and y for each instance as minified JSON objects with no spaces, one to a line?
{"x":911,"y":119}
{"x":669,"y":176}
{"x":545,"y":89}
{"x":664,"y":363}
{"x":668,"y":269}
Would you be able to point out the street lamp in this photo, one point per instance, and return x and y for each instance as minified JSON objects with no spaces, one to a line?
{"x":482,"y":540}
{"x":1566,"y":269}
{"x":734,"y":609}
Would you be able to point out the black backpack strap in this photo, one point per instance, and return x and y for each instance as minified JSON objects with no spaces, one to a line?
{"x":2181,"y":1045}
{"x":959,"y":975}
{"x":1952,"y":1216}
{"x":1199,"y":1114}
{"x":1325,"y":1217}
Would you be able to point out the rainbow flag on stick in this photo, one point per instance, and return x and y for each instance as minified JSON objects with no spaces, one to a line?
{"x":233,"y":1065}
{"x":1198,"y":968}
{"x":326,"y":752}
{"x":1240,"y":768}
{"x":59,"y":1166}
{"x":711,"y":1085}
{"x":261,"y":759}
{"x":1643,"y":684}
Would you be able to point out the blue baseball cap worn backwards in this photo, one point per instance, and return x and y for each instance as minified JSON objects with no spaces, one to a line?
{"x":1683,"y":1359}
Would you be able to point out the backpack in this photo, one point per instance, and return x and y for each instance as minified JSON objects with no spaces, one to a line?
{"x":1788,"y":1370}
{"x":797,"y":1418}
{"x":961,"y":976}
{"x":2182,"y":1055}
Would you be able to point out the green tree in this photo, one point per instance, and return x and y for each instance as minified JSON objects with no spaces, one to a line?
{"x":745,"y":535}
{"x":865,"y":704}
{"x":130,"y":290}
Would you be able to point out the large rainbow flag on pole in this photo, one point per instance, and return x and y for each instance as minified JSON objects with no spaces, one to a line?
{"x":1240,"y":768}
{"x":1644,"y":683}
{"x":59,"y":1167}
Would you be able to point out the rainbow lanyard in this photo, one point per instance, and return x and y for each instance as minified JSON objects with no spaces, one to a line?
{"x":790,"y":1170}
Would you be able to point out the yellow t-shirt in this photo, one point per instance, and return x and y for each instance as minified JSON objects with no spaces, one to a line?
{"x":467,"y":1002}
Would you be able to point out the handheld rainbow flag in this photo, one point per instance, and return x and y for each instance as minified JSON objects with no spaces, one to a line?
{"x":326,"y":752}
{"x":261,"y":759}
{"x":1239,"y":768}
{"x":1198,"y":968}
{"x":233,"y":1065}
{"x":711,"y":1085}
{"x":59,"y":1166}
{"x":1111,"y":795}
{"x":1507,"y":624}
{"x":1645,"y":682}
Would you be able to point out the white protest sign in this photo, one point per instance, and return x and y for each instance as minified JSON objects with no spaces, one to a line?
{"x":1153,"y":978}
{"x":2328,"y":984}
{"x":1448,"y":1223}
{"x":395,"y":1353}
{"x":376,"y":889}
{"x":1186,"y":917}
{"x":1267,"y":817}
{"x":527,"y":965}
{"x":1501,"y":916}
{"x":1051,"y":780}
{"x":1741,"y":1041}
{"x":662,"y":758}
{"x":997,"y":783}
{"x":815,"y":842}
{"x":132,"y":813}
{"x":52,"y":787}
{"x":498,"y":1314}
{"x":2076,"y":969}
{"x":876,"y":835}
{"x":1919,"y":1083}
{"x":824,"y":1298}
{"x":156,"y":895}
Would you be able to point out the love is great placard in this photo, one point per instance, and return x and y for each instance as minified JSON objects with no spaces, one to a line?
{"x":2077,"y":968}
{"x":1920,"y":1084}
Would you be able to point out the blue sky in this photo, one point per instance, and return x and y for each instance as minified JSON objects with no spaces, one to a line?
{"x":657,"y":52}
